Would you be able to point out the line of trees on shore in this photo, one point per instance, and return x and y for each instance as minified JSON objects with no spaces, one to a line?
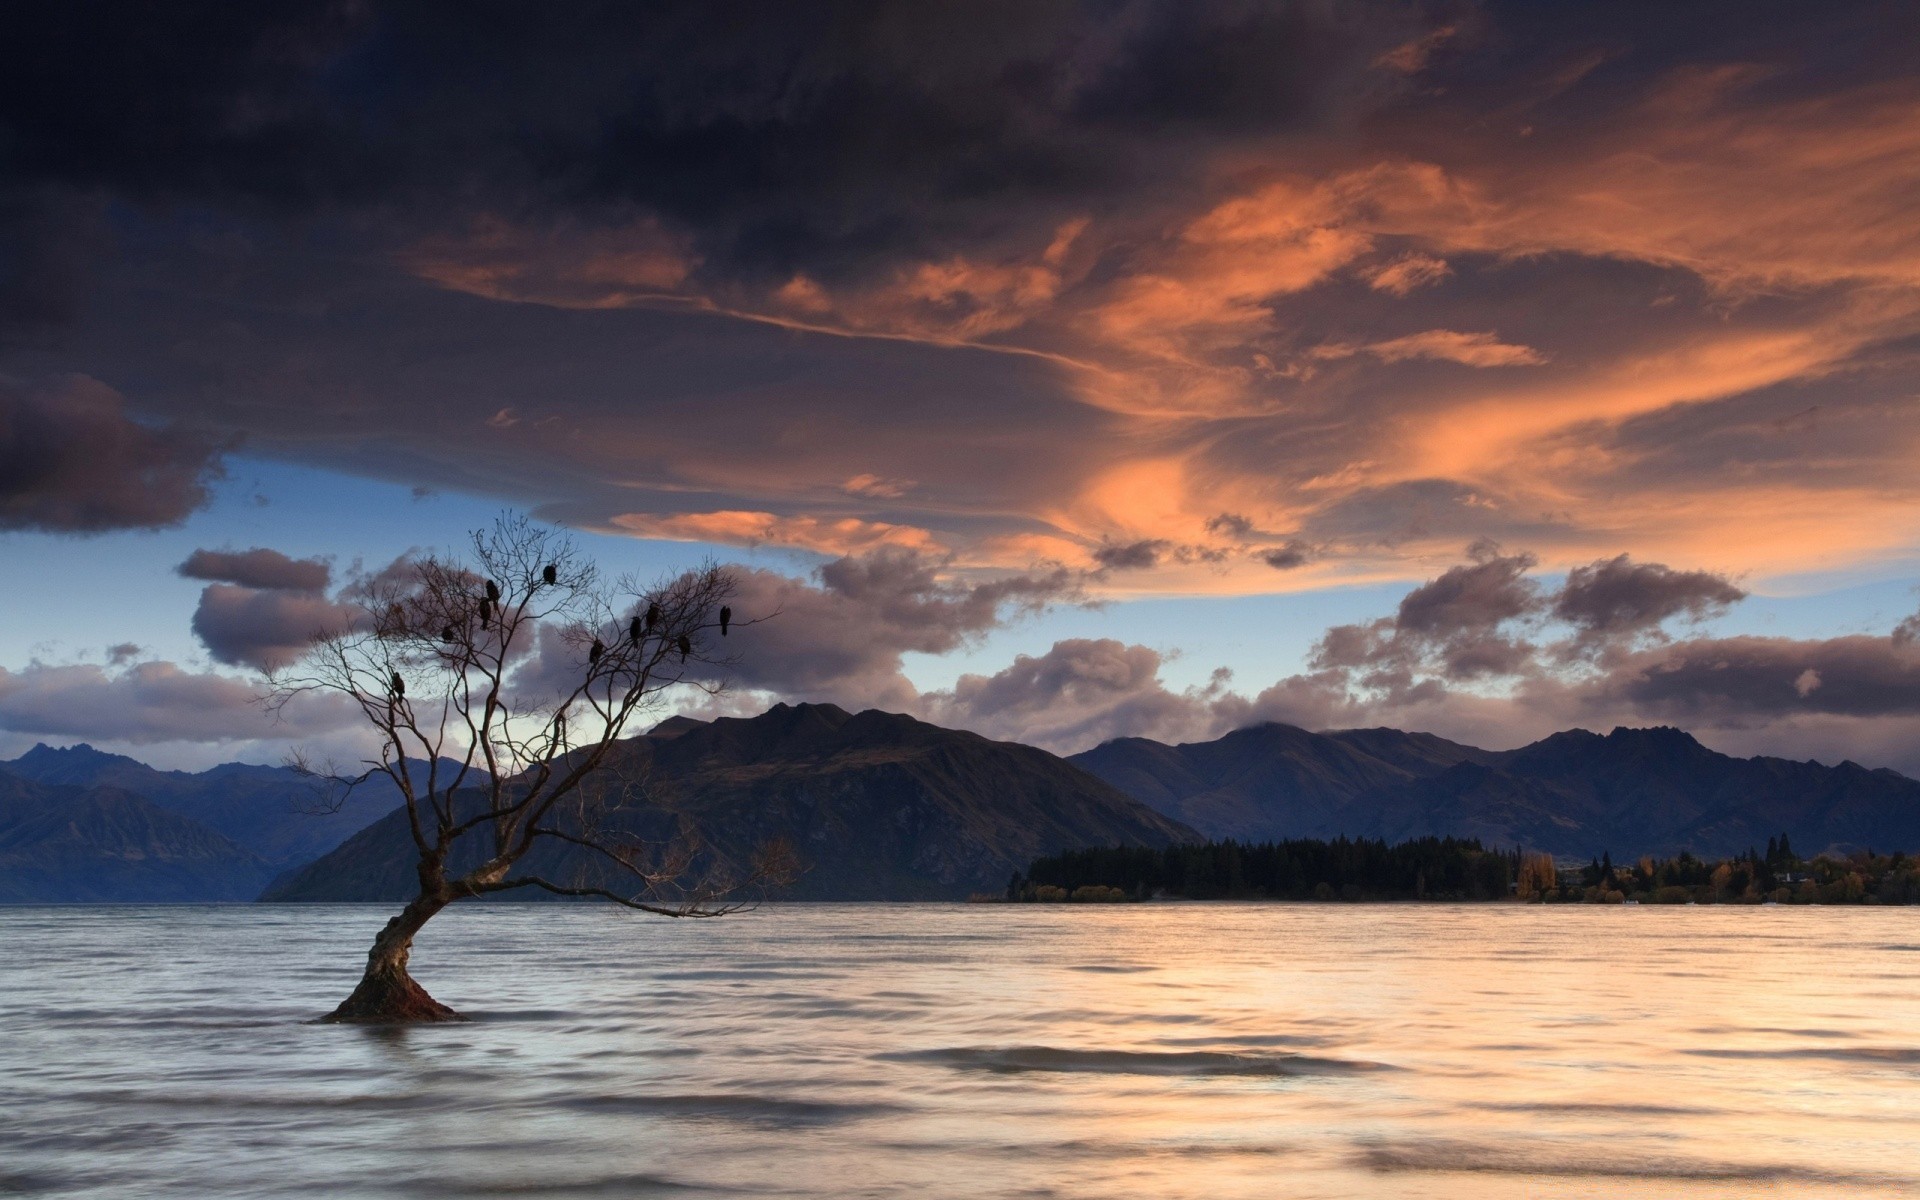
{"x":1430,"y":868}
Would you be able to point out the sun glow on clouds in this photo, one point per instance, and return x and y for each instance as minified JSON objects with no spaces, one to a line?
{"x":1384,"y":289}
{"x":823,"y":535}
{"x":1173,"y":334}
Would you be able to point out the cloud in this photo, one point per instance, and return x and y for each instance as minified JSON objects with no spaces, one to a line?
{"x":152,"y":702}
{"x":1736,"y":680}
{"x":620,"y":261}
{"x":1410,"y":58}
{"x":1408,"y":272}
{"x":1617,"y":597}
{"x":264,"y":609}
{"x":1446,"y":345}
{"x":1132,"y":556}
{"x":1084,"y":691}
{"x":824,"y":535}
{"x":1287,"y":557}
{"x":71,"y":461}
{"x":265,"y":629}
{"x":1475,"y":621}
{"x":258,"y":568}
{"x":841,"y":633}
{"x":873,"y":486}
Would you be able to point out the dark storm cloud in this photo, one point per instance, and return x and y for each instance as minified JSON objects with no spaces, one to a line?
{"x":1378,"y":277}
{"x":49,"y":238}
{"x":788,"y":135}
{"x":72,"y":461}
{"x":259,"y":567}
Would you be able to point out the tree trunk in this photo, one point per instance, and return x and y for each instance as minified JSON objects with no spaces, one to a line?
{"x":387,"y":994}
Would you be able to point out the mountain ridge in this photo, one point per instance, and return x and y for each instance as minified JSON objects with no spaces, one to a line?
{"x":878,"y":805}
{"x":1575,"y":793}
{"x":61,"y":843}
{"x":275,"y":812}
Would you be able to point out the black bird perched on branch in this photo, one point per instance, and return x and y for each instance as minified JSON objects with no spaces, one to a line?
{"x":686,"y":647}
{"x":633,"y":629}
{"x":726,"y":618}
{"x":653,"y":616}
{"x":486,"y":610}
{"x":551,"y":575}
{"x":493,"y":590}
{"x":595,"y":651}
{"x":447,"y":634}
{"x":399,"y":686}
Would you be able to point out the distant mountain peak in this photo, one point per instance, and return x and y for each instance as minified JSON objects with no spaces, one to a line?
{"x":70,"y":764}
{"x":1653,"y":733}
{"x":1576,"y":792}
{"x":675,"y":726}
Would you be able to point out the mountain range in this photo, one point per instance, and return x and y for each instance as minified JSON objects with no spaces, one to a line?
{"x":878,"y":806}
{"x":79,"y":824}
{"x":1575,"y":794}
{"x":882,"y":806}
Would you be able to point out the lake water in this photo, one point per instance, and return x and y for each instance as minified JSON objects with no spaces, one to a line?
{"x":928,"y":1051}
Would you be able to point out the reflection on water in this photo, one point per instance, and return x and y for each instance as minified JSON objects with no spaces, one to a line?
{"x":932,"y":1051}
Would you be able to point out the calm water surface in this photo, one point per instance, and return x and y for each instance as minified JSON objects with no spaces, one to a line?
{"x":931,"y":1051}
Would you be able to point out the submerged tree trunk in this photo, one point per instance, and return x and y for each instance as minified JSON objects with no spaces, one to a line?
{"x":387,"y":994}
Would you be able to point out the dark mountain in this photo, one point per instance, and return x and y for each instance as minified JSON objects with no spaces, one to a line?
{"x":1574,"y":794}
{"x":878,"y":806}
{"x":1269,"y":781}
{"x":62,"y":844}
{"x":272,"y":811}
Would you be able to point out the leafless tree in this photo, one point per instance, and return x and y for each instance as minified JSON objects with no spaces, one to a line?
{"x":498,"y":687}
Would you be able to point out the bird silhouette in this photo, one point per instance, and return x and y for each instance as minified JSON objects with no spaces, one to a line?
{"x":594,"y":653}
{"x":633,"y":629}
{"x":399,"y":685}
{"x":726,"y":618}
{"x":486,"y":610}
{"x":686,"y":647}
{"x":551,"y":574}
{"x":447,"y":634}
{"x":653,"y":616}
{"x":493,"y":590}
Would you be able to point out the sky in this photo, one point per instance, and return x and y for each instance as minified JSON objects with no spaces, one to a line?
{"x":1058,"y":371}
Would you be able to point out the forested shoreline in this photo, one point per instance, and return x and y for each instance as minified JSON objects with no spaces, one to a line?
{"x":1366,"y":869}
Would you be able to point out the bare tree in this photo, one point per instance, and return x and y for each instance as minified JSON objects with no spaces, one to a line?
{"x":498,"y":688}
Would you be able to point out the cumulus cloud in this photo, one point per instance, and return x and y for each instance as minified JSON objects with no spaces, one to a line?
{"x":1620,"y":597}
{"x":262,"y":628}
{"x":1084,"y":691}
{"x":840,"y":633}
{"x":263,"y":608}
{"x":258,"y":568}
{"x":72,"y":461}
